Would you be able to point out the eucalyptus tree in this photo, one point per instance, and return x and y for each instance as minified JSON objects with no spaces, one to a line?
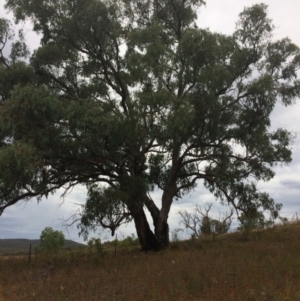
{"x":130,"y":96}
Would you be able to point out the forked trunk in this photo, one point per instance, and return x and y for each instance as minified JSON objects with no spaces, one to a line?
{"x":145,"y":235}
{"x":148,"y":240}
{"x":160,"y":238}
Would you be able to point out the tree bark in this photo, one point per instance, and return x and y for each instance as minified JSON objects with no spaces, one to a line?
{"x":158,"y":240}
{"x":148,"y":240}
{"x":145,"y":235}
{"x":162,"y":233}
{"x":161,"y":226}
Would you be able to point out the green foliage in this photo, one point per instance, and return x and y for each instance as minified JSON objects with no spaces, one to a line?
{"x":253,"y":220}
{"x":126,"y":96}
{"x":209,"y":225}
{"x":221,"y":227}
{"x":51,"y":241}
{"x":104,"y":207}
{"x":128,"y":242}
{"x":95,"y":247}
{"x":206,"y":225}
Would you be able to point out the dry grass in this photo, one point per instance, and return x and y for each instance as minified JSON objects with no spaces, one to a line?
{"x":266,"y":268}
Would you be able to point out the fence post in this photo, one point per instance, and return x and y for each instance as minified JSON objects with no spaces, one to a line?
{"x":116,"y":245}
{"x":29,"y":255}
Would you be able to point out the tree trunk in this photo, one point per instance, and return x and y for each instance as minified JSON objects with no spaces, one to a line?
{"x":148,"y":240}
{"x":162,"y":233}
{"x":161,"y":225}
{"x":145,"y":235}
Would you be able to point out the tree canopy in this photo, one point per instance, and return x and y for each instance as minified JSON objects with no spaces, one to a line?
{"x":129,"y":96}
{"x":50,"y":241}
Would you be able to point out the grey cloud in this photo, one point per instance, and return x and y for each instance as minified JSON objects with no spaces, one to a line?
{"x":292,"y":184}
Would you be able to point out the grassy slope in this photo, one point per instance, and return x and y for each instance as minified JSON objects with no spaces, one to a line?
{"x":265,"y":268}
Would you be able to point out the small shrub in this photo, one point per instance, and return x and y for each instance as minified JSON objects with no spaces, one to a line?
{"x":51,"y":241}
{"x":249,"y":222}
{"x":129,"y":241}
{"x":95,"y":246}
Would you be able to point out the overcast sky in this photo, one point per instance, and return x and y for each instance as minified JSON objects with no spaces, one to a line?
{"x":27,"y":220}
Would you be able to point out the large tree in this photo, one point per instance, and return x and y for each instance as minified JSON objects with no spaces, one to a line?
{"x":127,"y":96}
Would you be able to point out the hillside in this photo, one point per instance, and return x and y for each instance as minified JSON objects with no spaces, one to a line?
{"x":265,"y":267}
{"x":18,"y":246}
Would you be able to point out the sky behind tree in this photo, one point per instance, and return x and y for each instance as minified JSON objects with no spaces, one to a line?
{"x":27,"y":220}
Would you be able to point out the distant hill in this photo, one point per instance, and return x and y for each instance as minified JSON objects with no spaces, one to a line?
{"x":18,"y":246}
